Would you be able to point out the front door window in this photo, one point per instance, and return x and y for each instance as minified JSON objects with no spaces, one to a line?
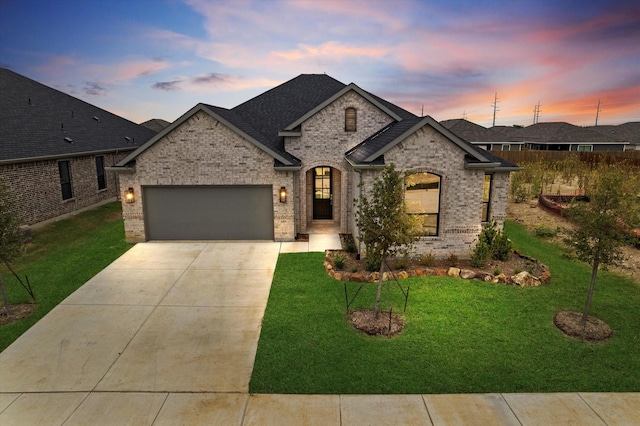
{"x":322,"y":193}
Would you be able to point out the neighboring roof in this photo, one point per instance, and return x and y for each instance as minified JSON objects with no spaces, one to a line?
{"x":38,"y":122}
{"x":629,"y":132}
{"x":473,"y":132}
{"x":155,"y":124}
{"x":558,"y":132}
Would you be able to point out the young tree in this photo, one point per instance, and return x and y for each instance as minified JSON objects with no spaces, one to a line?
{"x":385,"y":227}
{"x":10,"y":238}
{"x":603,"y":223}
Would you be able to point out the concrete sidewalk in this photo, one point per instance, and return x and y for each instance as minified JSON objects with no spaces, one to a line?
{"x":167,"y":334}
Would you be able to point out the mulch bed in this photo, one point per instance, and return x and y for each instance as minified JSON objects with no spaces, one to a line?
{"x":365,"y":321}
{"x":570,"y":323}
{"x":16,"y":312}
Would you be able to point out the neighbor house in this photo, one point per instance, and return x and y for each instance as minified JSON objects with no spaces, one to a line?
{"x":560,"y":136}
{"x":297,"y":155}
{"x":493,"y":139}
{"x":54,"y":149}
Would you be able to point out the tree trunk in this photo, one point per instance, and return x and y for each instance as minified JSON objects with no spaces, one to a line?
{"x":4,"y":295}
{"x":587,"y":306}
{"x":376,"y":308}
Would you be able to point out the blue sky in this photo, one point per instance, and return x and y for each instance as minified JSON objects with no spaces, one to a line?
{"x":146,"y":59}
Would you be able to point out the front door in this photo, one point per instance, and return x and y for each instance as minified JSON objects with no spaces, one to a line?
{"x":322,"y":193}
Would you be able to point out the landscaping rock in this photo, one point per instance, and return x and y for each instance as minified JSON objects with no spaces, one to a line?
{"x":453,"y":272}
{"x":402,"y":275}
{"x":441,"y":272}
{"x":421,"y":272}
{"x":501,"y":278}
{"x":337,"y":276}
{"x":346,"y":276}
{"x":525,"y":279}
{"x":467,"y":274}
{"x":358,"y":277}
{"x":374,"y":277}
{"x":484,"y":276}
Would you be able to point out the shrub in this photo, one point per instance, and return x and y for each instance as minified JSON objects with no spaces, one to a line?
{"x":402,"y":263}
{"x":453,"y":260}
{"x":497,"y":271}
{"x":349,"y":244}
{"x":481,"y":254}
{"x":372,"y":264}
{"x":427,"y":260}
{"x":501,"y":247}
{"x":339,"y":260}
{"x":544,"y":232}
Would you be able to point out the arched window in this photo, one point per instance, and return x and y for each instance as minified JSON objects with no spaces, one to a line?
{"x":350,"y":120}
{"x":422,"y":198}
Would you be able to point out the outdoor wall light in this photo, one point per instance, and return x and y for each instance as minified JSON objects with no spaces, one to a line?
{"x":283,"y":194}
{"x":129,"y":196}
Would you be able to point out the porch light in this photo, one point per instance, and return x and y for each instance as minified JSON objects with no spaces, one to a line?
{"x":129,"y":196}
{"x":283,"y":194}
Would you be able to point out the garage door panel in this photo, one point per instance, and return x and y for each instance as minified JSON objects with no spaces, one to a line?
{"x":209,"y":213}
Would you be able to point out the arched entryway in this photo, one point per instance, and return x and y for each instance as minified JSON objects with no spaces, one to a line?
{"x":323,"y":196}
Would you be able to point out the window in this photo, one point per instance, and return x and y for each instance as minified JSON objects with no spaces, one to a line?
{"x":102,"y":182}
{"x":486,"y":197}
{"x":350,"y":120}
{"x":422,"y":198}
{"x":506,"y":147}
{"x":65,"y":180}
{"x":585,"y":147}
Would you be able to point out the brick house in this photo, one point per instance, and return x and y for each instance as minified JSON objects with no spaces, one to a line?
{"x":54,"y":149}
{"x":274,"y":166}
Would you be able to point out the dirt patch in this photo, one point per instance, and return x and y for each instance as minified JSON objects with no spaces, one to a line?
{"x":17,"y":312}
{"x":385,"y":325}
{"x":530,"y":214}
{"x":570,"y":323}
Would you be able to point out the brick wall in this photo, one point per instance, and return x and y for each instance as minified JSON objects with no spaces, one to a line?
{"x":202,"y":151}
{"x":323,"y":143}
{"x":35,"y":187}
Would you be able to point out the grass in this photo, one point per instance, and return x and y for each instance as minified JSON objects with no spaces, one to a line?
{"x":62,"y":257}
{"x":460,"y":336}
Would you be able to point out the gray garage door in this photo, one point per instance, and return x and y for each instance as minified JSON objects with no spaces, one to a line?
{"x":208,"y":212}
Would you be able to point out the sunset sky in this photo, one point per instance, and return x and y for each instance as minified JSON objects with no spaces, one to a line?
{"x":146,"y":59}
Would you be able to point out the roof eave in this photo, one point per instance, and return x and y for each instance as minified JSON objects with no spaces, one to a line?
{"x":185,"y":117}
{"x":465,"y":146}
{"x":60,"y":156}
{"x":475,"y":166}
{"x":361,"y":166}
{"x":289,"y":133}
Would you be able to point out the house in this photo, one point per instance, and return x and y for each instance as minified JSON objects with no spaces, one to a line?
{"x":629,"y":132}
{"x":54,"y":149}
{"x":297,"y":155}
{"x":493,"y":139}
{"x":560,"y":136}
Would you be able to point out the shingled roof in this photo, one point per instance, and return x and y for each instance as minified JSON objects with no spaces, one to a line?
{"x":628,"y":132}
{"x":38,"y":122}
{"x":471,"y":132}
{"x":267,"y":118}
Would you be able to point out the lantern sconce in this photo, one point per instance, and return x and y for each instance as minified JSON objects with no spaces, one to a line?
{"x":283,"y":194}
{"x":129,"y":196}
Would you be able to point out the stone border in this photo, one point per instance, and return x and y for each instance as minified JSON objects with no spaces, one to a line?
{"x":523,"y":279}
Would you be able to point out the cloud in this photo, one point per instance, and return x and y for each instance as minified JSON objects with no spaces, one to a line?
{"x":94,"y":89}
{"x":211,"y":78}
{"x":167,"y":86}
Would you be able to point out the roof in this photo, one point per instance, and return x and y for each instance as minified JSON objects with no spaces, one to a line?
{"x":155,"y":124}
{"x":629,"y":132}
{"x":472,"y":132}
{"x":38,"y":122}
{"x":556,"y":132}
{"x":264,"y":119}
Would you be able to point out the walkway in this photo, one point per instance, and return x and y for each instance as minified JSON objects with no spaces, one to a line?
{"x":167,"y":334}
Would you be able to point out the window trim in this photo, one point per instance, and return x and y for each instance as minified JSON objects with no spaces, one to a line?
{"x":436,"y":214}
{"x":508,"y":146}
{"x":350,"y":123}
{"x":100,"y":173}
{"x":65,"y":183}
{"x":584,"y":150}
{"x":485,"y":217}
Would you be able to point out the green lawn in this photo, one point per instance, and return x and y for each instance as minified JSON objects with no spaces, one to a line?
{"x":460,"y":336}
{"x":62,"y":257}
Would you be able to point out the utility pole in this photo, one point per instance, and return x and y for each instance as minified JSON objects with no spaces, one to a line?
{"x":422,"y":111}
{"x":597,"y":111}
{"x":495,"y":107}
{"x":464,"y":115}
{"x":536,"y":113}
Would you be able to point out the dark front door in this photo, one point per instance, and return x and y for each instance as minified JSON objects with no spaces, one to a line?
{"x":322,"y":193}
